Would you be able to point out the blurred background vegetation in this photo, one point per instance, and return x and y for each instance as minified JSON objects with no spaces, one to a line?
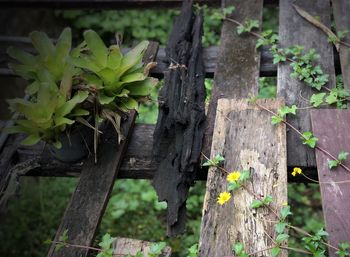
{"x":133,"y":210}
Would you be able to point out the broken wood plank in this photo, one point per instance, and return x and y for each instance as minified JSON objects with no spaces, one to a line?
{"x":294,"y":29}
{"x":245,"y":137}
{"x":124,"y":246}
{"x":237,"y":70}
{"x":331,"y":127}
{"x":341,"y":9}
{"x":88,"y":203}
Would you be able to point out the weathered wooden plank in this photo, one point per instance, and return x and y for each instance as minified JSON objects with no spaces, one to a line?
{"x":124,"y":246}
{"x":90,"y":198}
{"x":84,"y":212}
{"x":341,"y":9}
{"x":107,"y":3}
{"x":335,"y":196}
{"x":244,"y":135}
{"x":293,"y":29}
{"x":237,"y":70}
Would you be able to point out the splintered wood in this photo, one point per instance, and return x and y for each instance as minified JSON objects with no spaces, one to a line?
{"x":243,"y":134}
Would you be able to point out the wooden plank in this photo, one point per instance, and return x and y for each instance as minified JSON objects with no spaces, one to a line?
{"x":332,"y":129}
{"x":124,"y":246}
{"x":293,"y":29}
{"x":341,"y":9}
{"x":84,"y":212}
{"x":237,"y":70}
{"x":244,"y":135}
{"x":101,"y":3}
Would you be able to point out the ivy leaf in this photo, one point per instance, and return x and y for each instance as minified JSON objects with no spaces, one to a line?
{"x":281,"y":237}
{"x":275,"y":251}
{"x":233,"y":186}
{"x":342,"y":156}
{"x":64,"y":237}
{"x":256,"y":204}
{"x":245,"y":175}
{"x":267,"y":200}
{"x":276,"y":120}
{"x":309,"y":139}
{"x":317,"y":99}
{"x":280,"y":227}
{"x":333,"y":164}
{"x":285,"y":212}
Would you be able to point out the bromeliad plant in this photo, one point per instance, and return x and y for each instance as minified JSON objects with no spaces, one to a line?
{"x":66,"y":84}
{"x":116,"y":82}
{"x":51,"y":107}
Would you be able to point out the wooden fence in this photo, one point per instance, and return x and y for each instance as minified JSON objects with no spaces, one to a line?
{"x":235,"y":66}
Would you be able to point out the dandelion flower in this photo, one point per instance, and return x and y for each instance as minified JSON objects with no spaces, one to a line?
{"x":296,"y":171}
{"x":224,"y":197}
{"x":233,"y":176}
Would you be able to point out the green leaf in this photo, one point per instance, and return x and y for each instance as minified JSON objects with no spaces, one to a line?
{"x":280,"y":227}
{"x":97,"y":47}
{"x":63,"y":46}
{"x":67,"y":107}
{"x":281,"y":237}
{"x":333,"y":164}
{"x":275,"y":251}
{"x":317,"y":99}
{"x":141,"y":88}
{"x":267,"y":200}
{"x":86,"y":62}
{"x":284,"y":110}
{"x":276,"y":120}
{"x":285,"y":212}
{"x":31,"y":140}
{"x":309,"y":139}
{"x":43,"y":44}
{"x":104,"y":99}
{"x":64,"y":236}
{"x":238,"y":248}
{"x":342,"y":156}
{"x":129,"y":103}
{"x":114,"y":58}
{"x":245,"y":175}
{"x":133,"y":77}
{"x":156,"y":249}
{"x":256,"y":204}
{"x":133,"y":57}
{"x":22,"y":56}
{"x":106,"y":242}
{"x":233,"y":186}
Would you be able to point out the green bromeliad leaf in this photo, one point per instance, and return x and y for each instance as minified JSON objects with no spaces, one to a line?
{"x":97,"y":47}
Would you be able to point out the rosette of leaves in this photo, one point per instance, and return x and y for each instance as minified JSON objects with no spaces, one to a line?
{"x":117,"y":82}
{"x":50,"y":108}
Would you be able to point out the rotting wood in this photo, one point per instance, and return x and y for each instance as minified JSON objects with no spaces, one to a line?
{"x":341,"y":9}
{"x":126,"y":246}
{"x":237,"y":70}
{"x":335,"y":196}
{"x":245,"y":137}
{"x":84,"y":212}
{"x":180,"y":126}
{"x":294,"y":29}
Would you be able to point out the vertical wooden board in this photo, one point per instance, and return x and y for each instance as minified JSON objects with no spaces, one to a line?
{"x":293,"y":29}
{"x":237,"y":69}
{"x":245,"y":137}
{"x":341,"y":9}
{"x":331,"y":127}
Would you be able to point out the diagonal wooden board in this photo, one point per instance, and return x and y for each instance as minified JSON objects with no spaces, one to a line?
{"x":84,"y":212}
{"x":331,"y":127}
{"x":244,"y":135}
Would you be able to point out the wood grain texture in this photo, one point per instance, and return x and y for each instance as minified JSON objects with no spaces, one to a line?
{"x":87,"y":205}
{"x":335,"y":196}
{"x":237,"y":70}
{"x":341,"y":9}
{"x":124,"y":246}
{"x":293,"y":29}
{"x":245,"y":137}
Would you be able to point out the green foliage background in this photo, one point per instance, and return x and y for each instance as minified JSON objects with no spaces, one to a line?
{"x":133,"y":210}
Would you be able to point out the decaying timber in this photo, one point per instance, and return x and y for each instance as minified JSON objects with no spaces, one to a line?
{"x":179,"y":130}
{"x":244,"y":135}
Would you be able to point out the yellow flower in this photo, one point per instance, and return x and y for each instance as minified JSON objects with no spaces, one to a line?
{"x":233,"y":176}
{"x":296,"y":171}
{"x":224,"y":197}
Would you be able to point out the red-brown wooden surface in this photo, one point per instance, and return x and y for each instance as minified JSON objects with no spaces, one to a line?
{"x":331,"y":127}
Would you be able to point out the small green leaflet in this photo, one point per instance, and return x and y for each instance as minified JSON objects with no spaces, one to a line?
{"x":275,"y":251}
{"x":341,"y":157}
{"x":317,"y":99}
{"x":309,"y":139}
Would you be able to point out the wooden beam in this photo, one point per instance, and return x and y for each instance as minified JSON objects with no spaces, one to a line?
{"x":341,"y":9}
{"x":246,"y":138}
{"x":335,"y":196}
{"x":293,"y":29}
{"x":238,"y":62}
{"x":120,"y":4}
{"x":127,"y":246}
